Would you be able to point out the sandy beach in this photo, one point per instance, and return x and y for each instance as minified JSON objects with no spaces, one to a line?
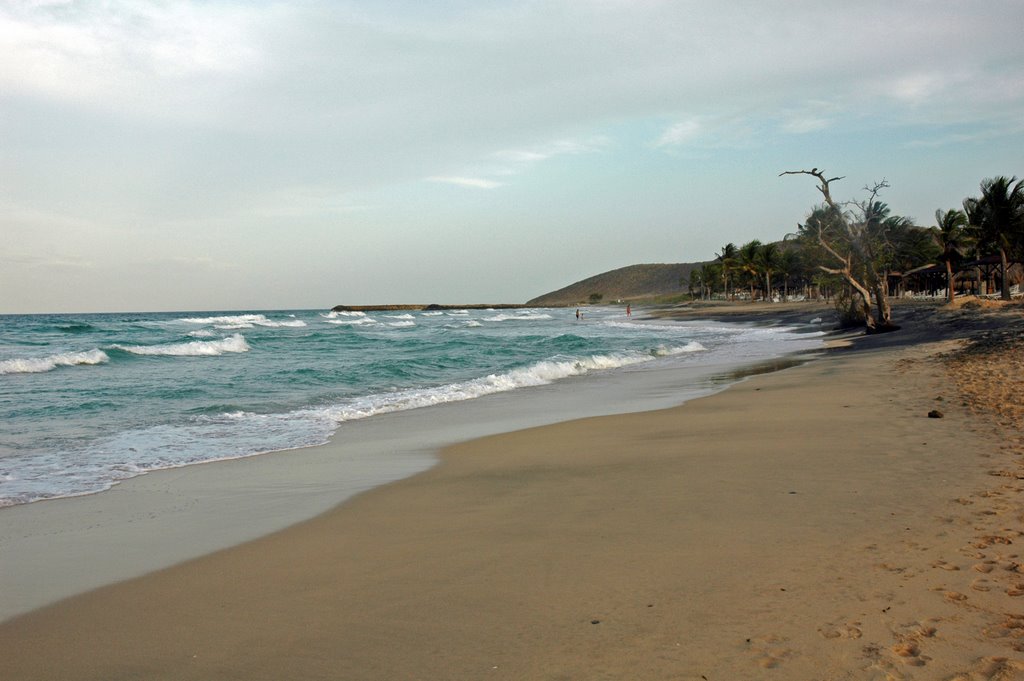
{"x":810,"y":523}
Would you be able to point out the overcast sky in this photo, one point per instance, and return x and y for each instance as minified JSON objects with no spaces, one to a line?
{"x":261,"y":155}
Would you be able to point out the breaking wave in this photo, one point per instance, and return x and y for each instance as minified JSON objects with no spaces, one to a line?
{"x":538,"y":373}
{"x":243,"y":321}
{"x":233,"y":343}
{"x":36,"y":365}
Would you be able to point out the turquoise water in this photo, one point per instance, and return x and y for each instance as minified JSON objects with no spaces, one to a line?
{"x":88,"y":400}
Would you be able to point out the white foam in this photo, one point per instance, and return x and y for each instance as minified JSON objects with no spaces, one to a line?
{"x":520,"y":316}
{"x":233,"y":343}
{"x":202,"y":333}
{"x":243,"y":321}
{"x":334,"y":314}
{"x":539,"y":373}
{"x":432,"y":314}
{"x":664,"y":351}
{"x":401,"y":324}
{"x":36,"y":365}
{"x":358,"y":321}
{"x":399,"y":316}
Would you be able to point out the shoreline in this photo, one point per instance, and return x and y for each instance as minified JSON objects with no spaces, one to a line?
{"x":153,"y":521}
{"x":717,"y":538}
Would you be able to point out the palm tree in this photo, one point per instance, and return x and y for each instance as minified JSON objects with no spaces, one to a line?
{"x":708,"y":274}
{"x":767,"y":262}
{"x":747,"y":261}
{"x":950,"y":234}
{"x":787,"y":266}
{"x":703,"y":278}
{"x":728,"y":259}
{"x":997,"y":219}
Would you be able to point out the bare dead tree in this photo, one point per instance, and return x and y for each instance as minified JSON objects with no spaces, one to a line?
{"x":851,"y":240}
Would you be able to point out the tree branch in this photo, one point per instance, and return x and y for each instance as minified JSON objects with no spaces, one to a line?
{"x":823,"y":185}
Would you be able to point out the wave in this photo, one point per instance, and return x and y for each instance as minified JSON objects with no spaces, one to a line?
{"x":399,"y":316}
{"x":75,"y":327}
{"x":519,"y":317}
{"x":432,"y":314}
{"x":334,"y":314}
{"x":36,"y":365}
{"x":357,"y":321}
{"x":243,"y":321}
{"x":680,"y":328}
{"x":233,"y":343}
{"x":403,"y":324}
{"x":663,"y":351}
{"x":536,"y":374}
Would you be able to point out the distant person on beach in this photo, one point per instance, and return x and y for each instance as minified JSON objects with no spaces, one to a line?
{"x":577,"y":313}
{"x":629,"y":310}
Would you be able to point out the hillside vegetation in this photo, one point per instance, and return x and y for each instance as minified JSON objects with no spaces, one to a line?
{"x":633,"y":282}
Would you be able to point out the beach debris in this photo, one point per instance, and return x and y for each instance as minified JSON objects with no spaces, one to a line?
{"x":595,"y":621}
{"x":935,"y":414}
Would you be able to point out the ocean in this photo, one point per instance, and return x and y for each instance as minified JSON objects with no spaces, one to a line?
{"x":89,"y":400}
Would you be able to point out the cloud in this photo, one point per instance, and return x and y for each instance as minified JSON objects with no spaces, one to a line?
{"x":679,"y":133}
{"x":131,"y":56}
{"x":560,"y":147}
{"x":213,"y":121}
{"x":516,"y":161}
{"x":476,"y":182}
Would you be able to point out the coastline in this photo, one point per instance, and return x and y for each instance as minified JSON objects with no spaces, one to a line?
{"x":812,"y":520}
{"x":57,"y":548}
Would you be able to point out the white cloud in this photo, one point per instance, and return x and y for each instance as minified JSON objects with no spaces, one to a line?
{"x":679,"y":133}
{"x":476,"y":182}
{"x":134,"y":58}
{"x":215,"y":120}
{"x":805,"y":124}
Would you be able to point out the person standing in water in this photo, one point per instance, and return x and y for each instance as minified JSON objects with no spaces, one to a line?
{"x":629,"y":310}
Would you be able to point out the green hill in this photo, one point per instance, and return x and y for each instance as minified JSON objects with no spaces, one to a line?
{"x":634,"y":282}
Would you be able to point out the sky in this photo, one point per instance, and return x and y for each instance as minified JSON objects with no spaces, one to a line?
{"x":224,"y":155}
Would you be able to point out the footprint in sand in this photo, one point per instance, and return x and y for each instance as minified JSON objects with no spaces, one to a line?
{"x":941,"y":564}
{"x":1011,"y":627}
{"x":770,"y":650}
{"x":909,"y":653}
{"x":990,"y":539}
{"x":992,"y":669}
{"x":845,"y":630}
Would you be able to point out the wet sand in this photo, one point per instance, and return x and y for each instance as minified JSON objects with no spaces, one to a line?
{"x":807,"y":523}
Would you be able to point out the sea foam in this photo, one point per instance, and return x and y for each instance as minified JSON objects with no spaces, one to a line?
{"x":243,"y":321}
{"x":536,"y":374}
{"x":36,"y":365}
{"x":519,"y":317}
{"x":233,"y":343}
